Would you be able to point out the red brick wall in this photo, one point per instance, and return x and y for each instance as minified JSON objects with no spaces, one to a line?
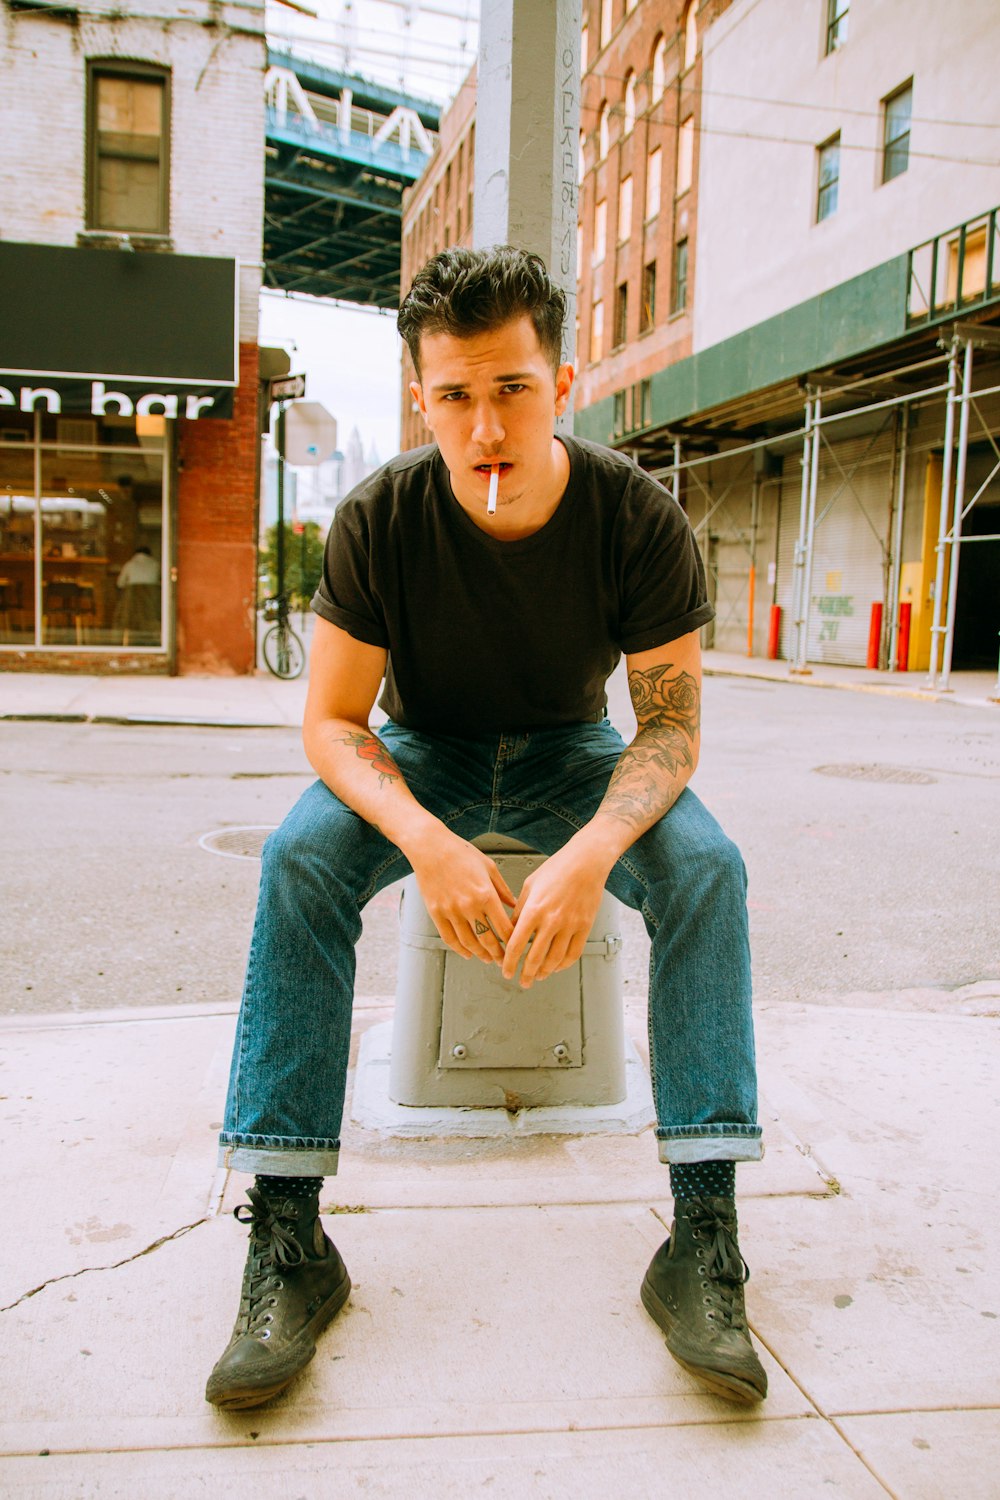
{"x":217,"y":487}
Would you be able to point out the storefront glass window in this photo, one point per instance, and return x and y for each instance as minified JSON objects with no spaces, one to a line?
{"x":81,"y":536}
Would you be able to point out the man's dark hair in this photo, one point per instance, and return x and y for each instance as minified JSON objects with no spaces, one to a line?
{"x":465,"y":292}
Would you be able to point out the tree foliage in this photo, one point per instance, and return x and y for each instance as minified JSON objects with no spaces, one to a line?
{"x":303,"y":562}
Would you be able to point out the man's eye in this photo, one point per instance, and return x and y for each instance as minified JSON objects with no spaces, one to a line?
{"x":453,"y":396}
{"x":513,"y":387}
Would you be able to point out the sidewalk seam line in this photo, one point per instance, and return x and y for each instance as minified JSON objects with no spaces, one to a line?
{"x":116,"y":1265}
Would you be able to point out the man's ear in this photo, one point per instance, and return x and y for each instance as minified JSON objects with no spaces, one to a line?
{"x":416,"y":391}
{"x":564,"y":384}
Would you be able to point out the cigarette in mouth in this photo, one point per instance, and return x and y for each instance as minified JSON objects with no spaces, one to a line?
{"x":491,"y":503}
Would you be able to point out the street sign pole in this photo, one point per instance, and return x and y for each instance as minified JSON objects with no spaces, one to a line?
{"x":280,"y":547}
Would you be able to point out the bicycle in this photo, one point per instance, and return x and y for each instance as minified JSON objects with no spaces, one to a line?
{"x":283,"y":651}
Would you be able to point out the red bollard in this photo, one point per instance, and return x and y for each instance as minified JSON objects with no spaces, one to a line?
{"x":903,"y":639}
{"x":874,"y":635}
{"x":773,"y":632}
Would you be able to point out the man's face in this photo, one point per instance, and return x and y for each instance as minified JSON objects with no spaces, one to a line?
{"x":493,"y":399}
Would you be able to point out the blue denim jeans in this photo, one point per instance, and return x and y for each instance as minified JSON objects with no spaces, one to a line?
{"x":286,"y":1090}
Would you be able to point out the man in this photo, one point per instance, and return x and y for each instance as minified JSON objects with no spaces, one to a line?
{"x":496,"y":633}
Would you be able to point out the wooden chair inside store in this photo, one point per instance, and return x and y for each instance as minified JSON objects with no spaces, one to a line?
{"x":71,"y":602}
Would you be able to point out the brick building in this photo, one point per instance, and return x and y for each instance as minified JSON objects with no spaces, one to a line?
{"x":131,"y":210}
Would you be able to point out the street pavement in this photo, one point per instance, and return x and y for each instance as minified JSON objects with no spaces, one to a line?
{"x":494,"y":1341}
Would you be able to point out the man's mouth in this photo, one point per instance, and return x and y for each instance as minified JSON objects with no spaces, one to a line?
{"x":487,"y":469}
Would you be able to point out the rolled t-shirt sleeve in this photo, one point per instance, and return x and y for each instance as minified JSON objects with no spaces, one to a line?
{"x":663,"y":593}
{"x":347,"y":594}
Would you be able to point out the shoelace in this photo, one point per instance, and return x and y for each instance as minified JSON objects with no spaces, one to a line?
{"x":724,"y":1265}
{"x":272,"y":1248}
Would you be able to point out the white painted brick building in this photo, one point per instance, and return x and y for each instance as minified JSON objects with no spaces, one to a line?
{"x":131,"y":230}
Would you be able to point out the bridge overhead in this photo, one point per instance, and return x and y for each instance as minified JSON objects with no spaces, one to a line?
{"x":340,"y":150}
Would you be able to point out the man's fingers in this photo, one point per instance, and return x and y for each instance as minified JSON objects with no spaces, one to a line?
{"x":500,"y":885}
{"x":450,"y":936}
{"x":555,"y":959}
{"x":486,"y":943}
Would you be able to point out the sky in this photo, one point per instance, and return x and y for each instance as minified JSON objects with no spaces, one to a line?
{"x":351,"y":356}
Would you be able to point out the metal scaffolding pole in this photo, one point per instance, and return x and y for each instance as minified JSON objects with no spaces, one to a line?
{"x":955,"y":536}
{"x":811,"y":534}
{"x":798,"y":655}
{"x":946,"y":462}
{"x":896,"y":560}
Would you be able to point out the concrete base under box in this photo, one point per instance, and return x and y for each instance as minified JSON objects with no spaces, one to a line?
{"x":372,"y":1108}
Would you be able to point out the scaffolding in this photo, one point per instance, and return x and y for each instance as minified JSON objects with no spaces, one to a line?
{"x":962,"y":404}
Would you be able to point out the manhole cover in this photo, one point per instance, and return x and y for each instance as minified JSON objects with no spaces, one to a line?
{"x":878,"y":773}
{"x":237,"y":843}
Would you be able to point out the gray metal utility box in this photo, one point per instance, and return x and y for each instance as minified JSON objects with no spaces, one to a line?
{"x":464,"y":1036}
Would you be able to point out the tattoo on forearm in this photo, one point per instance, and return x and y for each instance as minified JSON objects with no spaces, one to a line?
{"x":650,"y":775}
{"x":369,"y":747}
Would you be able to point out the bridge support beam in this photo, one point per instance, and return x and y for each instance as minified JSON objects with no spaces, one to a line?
{"x":527,"y":135}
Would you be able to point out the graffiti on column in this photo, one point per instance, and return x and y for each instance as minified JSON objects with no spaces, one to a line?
{"x":568,"y":155}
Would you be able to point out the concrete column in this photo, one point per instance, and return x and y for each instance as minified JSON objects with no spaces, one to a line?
{"x":527,"y":136}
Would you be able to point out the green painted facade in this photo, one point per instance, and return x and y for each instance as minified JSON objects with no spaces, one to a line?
{"x":857,"y":315}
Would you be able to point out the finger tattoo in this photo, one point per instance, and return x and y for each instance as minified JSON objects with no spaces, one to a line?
{"x":481,"y":927}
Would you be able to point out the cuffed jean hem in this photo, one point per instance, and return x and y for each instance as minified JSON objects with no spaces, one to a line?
{"x":683,"y":1144}
{"x":282,"y":1158}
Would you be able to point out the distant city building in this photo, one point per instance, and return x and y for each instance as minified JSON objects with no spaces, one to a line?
{"x":132,"y":191}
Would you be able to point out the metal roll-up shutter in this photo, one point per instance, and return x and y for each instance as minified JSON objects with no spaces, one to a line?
{"x":853,"y":509}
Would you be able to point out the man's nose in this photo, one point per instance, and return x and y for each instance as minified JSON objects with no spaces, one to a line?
{"x":487,"y":427}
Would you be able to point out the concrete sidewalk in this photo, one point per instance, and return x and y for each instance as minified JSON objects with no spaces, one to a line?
{"x":494,"y":1341}
{"x":262,"y":700}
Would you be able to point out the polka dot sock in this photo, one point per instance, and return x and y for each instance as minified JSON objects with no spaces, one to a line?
{"x":703,"y":1179}
{"x":289,"y":1187}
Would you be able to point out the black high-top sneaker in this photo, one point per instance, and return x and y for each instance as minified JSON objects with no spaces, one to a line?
{"x":694,"y":1291}
{"x":293,"y":1284}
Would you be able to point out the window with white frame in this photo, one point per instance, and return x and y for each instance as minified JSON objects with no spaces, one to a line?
{"x":630,"y":88}
{"x":685,"y":155}
{"x":836,"y":24}
{"x":690,"y":35}
{"x":603,"y":132}
{"x":659,"y":69}
{"x":624,"y":209}
{"x":600,"y":232}
{"x":584,"y":48}
{"x":606,"y":9}
{"x":828,"y":177}
{"x":596,"y":331}
{"x":897,"y":112}
{"x":653,"y":169}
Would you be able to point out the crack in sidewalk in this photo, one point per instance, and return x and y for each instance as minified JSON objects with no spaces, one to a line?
{"x":90,"y":1270}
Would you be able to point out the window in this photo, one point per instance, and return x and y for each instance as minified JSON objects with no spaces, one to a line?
{"x":630,"y":6}
{"x":600,"y":232}
{"x":836,"y":24}
{"x":582,"y":162}
{"x":659,"y":69}
{"x":680,"y":296}
{"x":128,"y":142}
{"x":653,"y":183}
{"x":603,"y":133}
{"x":690,"y":36}
{"x":584,"y":48}
{"x":596,"y":331}
{"x":579,"y":246}
{"x":685,"y":155}
{"x":624,"y":209}
{"x":619,"y":413}
{"x":630,"y":83}
{"x":897,"y":110}
{"x":606,"y":7}
{"x":621,"y":315}
{"x":829,"y":178}
{"x":647,"y":308}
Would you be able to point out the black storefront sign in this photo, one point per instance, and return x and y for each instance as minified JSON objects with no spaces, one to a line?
{"x":117,"y":332}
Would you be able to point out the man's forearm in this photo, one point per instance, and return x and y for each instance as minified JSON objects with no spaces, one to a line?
{"x":358,"y":768}
{"x":658,"y":764}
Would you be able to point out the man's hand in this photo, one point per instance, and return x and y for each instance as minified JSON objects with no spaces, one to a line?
{"x":464,"y":893}
{"x":555,"y":912}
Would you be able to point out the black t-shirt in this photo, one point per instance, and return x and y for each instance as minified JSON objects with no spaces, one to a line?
{"x":486,"y":635}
